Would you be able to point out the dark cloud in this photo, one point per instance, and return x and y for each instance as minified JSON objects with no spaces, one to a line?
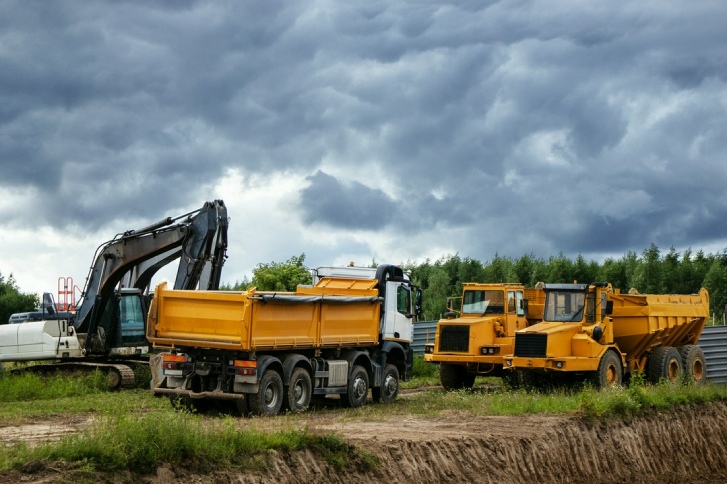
{"x":528,"y":127}
{"x":347,"y":206}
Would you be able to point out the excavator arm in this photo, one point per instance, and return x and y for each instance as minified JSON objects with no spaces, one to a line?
{"x":198,"y":239}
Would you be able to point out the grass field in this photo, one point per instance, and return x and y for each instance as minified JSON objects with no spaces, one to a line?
{"x":134,"y":430}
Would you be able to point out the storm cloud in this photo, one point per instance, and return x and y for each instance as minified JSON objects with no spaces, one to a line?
{"x":388,"y":130}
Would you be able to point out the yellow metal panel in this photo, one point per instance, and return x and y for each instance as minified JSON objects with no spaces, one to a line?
{"x":181,"y":317}
{"x":284,"y":325}
{"x":333,"y":286}
{"x":350,"y":323}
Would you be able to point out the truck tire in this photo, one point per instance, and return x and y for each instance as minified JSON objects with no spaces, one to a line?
{"x":240,"y":406}
{"x":269,"y":397}
{"x":610,"y":371}
{"x":299,"y":391}
{"x":694,"y":363}
{"x":665,"y":362}
{"x":389,"y":388}
{"x":455,"y":377}
{"x":358,"y":388}
{"x":517,"y":379}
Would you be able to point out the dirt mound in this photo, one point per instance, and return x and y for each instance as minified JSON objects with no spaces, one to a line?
{"x":687,"y":445}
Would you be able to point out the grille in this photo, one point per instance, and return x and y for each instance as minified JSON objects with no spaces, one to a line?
{"x":454,"y":338}
{"x":531,"y":345}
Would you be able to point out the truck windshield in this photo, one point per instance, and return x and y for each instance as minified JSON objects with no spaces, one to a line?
{"x":483,"y":302}
{"x":564,"y":306}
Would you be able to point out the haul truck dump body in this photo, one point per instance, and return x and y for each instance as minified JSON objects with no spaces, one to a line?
{"x":592,"y":329}
{"x":270,"y":351}
{"x":475,"y":342}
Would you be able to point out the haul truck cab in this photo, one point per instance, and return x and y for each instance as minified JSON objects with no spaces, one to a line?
{"x":475,"y":342}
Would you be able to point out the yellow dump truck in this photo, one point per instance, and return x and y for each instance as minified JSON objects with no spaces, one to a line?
{"x":594,"y":330}
{"x":271,"y":351}
{"x":475,"y":342}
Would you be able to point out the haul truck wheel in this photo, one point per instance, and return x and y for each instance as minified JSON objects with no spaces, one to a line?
{"x":455,"y":377}
{"x":610,"y":372}
{"x":664,"y":362}
{"x":269,"y":397}
{"x":358,"y":388}
{"x":299,"y":390}
{"x":389,"y":388}
{"x":517,"y":379}
{"x":694,"y":363}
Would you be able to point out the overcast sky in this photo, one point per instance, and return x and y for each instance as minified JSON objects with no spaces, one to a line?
{"x":352,"y":131}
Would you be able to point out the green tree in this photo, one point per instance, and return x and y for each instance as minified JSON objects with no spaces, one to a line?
{"x":13,"y":301}
{"x":715,"y":281}
{"x":560,"y":269}
{"x":613,"y":271}
{"x":281,"y":276}
{"x":434,"y":298}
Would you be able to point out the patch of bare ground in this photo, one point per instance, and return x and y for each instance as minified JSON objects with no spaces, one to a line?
{"x":686,"y":445}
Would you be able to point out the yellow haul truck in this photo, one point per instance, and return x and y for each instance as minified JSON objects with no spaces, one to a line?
{"x":475,"y":343}
{"x":599,"y":332}
{"x":266,"y":351}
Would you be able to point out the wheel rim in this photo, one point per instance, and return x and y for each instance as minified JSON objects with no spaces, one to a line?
{"x":271,"y":396}
{"x":697,"y":370}
{"x":611,"y":375}
{"x":359,"y":388}
{"x":299,"y":392}
{"x":390,"y":386}
{"x":673,"y":371}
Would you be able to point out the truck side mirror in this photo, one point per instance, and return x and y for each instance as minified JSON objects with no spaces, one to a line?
{"x":609,"y":308}
{"x":449,"y":304}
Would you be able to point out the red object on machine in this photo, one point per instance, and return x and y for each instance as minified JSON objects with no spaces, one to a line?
{"x":66,"y":294}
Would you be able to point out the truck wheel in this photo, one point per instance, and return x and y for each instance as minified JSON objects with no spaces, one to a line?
{"x":665,"y":362}
{"x":517,"y":379}
{"x":455,"y":377}
{"x":269,"y":397}
{"x":610,"y":371}
{"x":358,"y":388}
{"x":299,"y":390}
{"x":389,"y":388}
{"x":240,"y":407}
{"x":694,"y":363}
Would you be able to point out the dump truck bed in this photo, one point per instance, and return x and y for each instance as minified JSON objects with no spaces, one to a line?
{"x":644,"y":321}
{"x":334,"y":313}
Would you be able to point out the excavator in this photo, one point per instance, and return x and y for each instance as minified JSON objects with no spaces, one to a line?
{"x":107,"y":331}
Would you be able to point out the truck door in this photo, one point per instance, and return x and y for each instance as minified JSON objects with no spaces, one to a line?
{"x":398,"y":312}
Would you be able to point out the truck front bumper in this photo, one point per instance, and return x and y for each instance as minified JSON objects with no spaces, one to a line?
{"x":561,"y":364}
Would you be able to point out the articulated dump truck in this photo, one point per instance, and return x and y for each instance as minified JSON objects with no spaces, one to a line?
{"x":475,"y":342}
{"x":263,"y":352}
{"x":595,"y":331}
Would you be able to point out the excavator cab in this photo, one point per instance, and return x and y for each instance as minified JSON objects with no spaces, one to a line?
{"x":120,"y":330}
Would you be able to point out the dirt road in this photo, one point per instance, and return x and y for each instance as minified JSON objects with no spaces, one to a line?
{"x":688,"y":445}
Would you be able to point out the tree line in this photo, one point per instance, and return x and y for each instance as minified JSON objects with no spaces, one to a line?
{"x":650,"y":272}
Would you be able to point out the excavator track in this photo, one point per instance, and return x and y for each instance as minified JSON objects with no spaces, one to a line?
{"x":118,"y":375}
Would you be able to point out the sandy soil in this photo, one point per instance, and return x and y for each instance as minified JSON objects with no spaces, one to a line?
{"x":688,"y":445}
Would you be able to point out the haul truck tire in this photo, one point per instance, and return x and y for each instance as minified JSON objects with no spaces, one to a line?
{"x":665,"y":362}
{"x":455,"y":377}
{"x":358,"y":388}
{"x":694,"y":363}
{"x":389,"y":388}
{"x":299,"y":391}
{"x":269,"y":397}
{"x":610,"y":371}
